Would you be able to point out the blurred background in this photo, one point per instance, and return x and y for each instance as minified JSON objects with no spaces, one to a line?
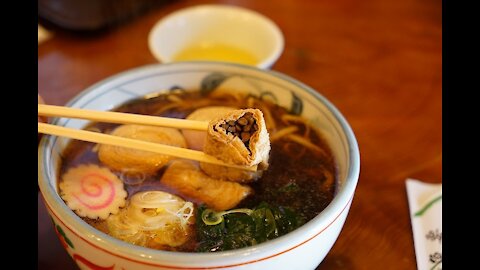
{"x":92,"y":15}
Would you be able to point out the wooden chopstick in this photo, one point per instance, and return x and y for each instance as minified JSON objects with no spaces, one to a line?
{"x":121,"y":118}
{"x":102,"y":138}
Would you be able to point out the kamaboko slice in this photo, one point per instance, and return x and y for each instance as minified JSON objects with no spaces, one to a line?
{"x":92,"y":191}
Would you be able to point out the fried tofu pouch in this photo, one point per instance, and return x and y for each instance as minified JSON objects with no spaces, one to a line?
{"x":239,"y":137}
{"x":189,"y":181}
{"x":131,"y":161}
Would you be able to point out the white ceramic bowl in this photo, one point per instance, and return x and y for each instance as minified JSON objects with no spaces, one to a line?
{"x":304,"y":248}
{"x":242,"y":28}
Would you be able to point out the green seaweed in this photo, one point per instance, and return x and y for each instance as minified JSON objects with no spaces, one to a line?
{"x":239,"y":230}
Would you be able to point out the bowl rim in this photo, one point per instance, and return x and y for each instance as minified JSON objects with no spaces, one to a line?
{"x":116,"y":247}
{"x":273,"y":27}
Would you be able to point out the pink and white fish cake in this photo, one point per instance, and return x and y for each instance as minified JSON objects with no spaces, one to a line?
{"x":92,"y":191}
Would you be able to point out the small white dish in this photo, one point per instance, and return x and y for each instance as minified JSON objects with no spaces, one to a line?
{"x":227,"y":30}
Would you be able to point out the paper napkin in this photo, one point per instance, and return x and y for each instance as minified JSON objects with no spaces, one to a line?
{"x":425,"y":203}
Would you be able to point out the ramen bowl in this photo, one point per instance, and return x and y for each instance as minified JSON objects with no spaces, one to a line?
{"x":303,"y":248}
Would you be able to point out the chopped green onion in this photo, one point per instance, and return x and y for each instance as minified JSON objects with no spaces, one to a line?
{"x":211,"y":217}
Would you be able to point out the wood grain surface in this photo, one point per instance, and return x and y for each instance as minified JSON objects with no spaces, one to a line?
{"x":378,"y":61}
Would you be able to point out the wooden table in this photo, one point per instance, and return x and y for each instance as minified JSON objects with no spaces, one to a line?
{"x":378,"y":61}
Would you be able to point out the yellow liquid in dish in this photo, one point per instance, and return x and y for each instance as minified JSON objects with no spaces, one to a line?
{"x":216,"y":52}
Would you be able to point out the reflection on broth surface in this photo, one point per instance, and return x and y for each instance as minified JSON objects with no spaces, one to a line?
{"x":299,"y":183}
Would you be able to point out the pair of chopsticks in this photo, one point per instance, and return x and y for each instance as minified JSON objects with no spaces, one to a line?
{"x":126,"y":118}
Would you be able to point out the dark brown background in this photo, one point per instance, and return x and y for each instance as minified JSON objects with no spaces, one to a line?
{"x":378,"y":61}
